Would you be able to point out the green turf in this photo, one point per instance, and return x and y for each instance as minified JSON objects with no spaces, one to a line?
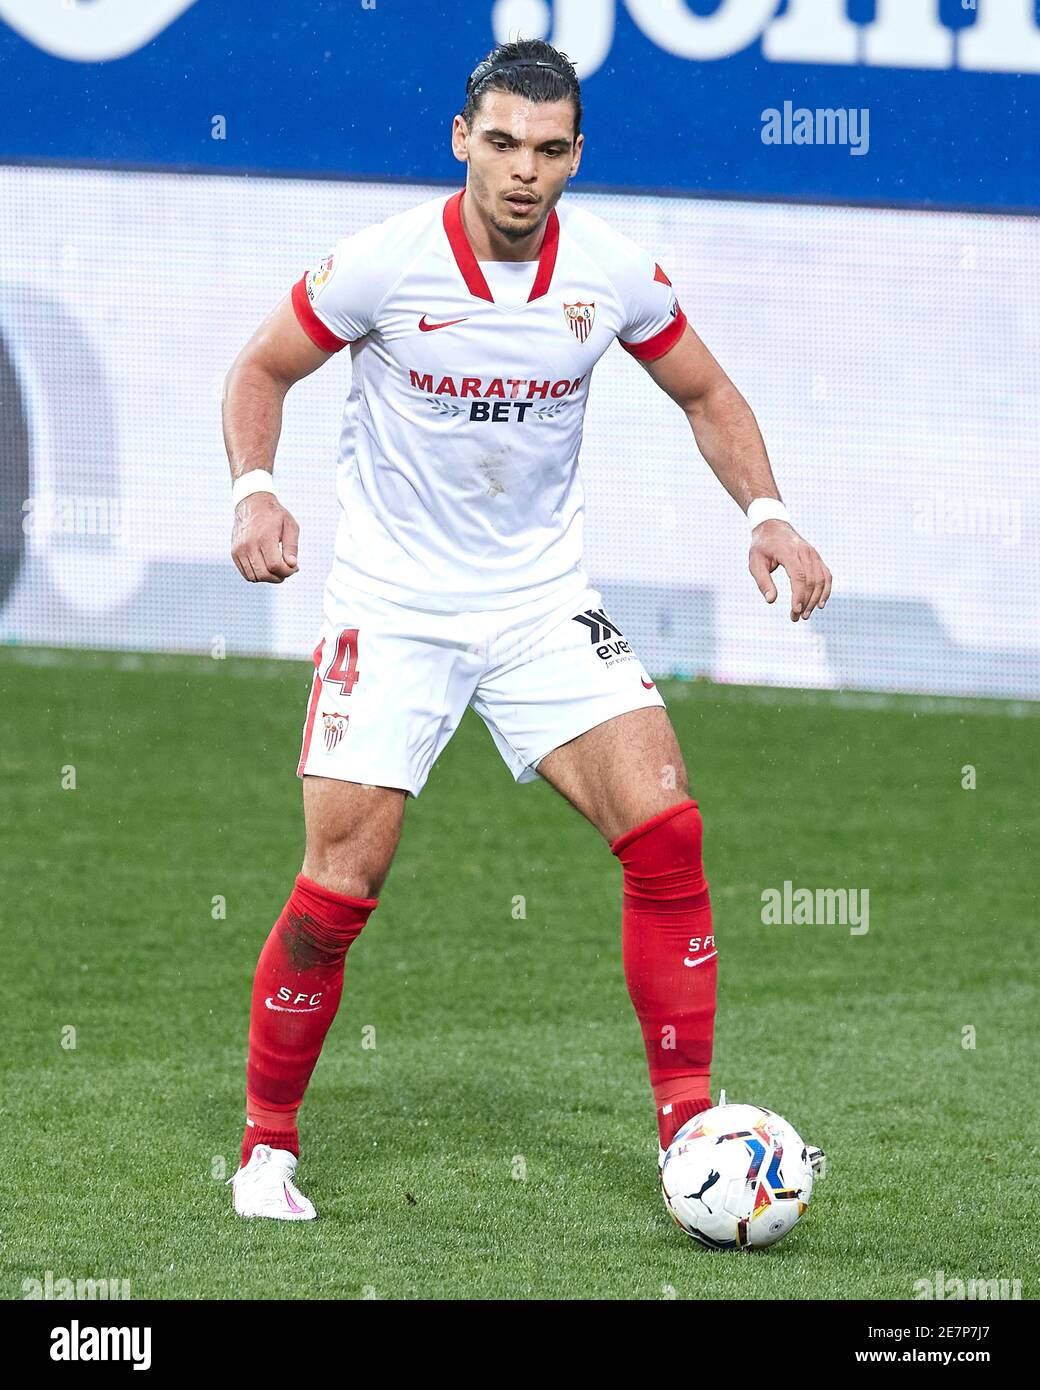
{"x":505,"y":1045}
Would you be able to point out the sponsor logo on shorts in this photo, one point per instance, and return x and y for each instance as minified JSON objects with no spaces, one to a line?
{"x":605,"y":636}
{"x":335,"y":726}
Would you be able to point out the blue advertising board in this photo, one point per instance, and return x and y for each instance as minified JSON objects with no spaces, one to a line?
{"x":925,"y":102}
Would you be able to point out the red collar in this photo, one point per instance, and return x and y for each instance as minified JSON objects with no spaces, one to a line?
{"x":470,"y":266}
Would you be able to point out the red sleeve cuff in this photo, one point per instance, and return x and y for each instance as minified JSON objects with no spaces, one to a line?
{"x":660,"y":343}
{"x":319,"y":335}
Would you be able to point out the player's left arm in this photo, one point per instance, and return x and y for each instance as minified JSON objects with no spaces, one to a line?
{"x":728,"y":436}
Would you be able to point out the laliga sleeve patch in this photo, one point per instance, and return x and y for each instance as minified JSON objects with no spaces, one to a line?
{"x":316,"y":329}
{"x":318,"y":278}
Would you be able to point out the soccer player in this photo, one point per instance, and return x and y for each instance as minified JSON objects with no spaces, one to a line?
{"x":473,"y":323}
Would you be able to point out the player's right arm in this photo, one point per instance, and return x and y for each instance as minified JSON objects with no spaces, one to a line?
{"x":265,"y":536}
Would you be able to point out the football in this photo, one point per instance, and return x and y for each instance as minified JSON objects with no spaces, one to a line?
{"x":737,"y":1177}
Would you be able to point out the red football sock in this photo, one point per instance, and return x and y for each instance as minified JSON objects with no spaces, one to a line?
{"x":670,"y":958}
{"x":296,"y":992}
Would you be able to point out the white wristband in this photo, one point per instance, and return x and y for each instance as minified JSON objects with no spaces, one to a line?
{"x":256,"y":480}
{"x":766,"y":509}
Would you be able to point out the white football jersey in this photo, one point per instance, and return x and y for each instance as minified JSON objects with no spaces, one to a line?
{"x":458,"y":477}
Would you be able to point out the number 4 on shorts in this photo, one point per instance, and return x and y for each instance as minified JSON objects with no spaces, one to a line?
{"x":346,"y":649}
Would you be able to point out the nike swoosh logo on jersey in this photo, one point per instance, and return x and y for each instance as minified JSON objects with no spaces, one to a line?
{"x":279,"y":1009}
{"x":425,"y":327}
{"x":647,"y":685}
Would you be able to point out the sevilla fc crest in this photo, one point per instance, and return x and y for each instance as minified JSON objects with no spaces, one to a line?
{"x":581,"y":317}
{"x":335,"y":728}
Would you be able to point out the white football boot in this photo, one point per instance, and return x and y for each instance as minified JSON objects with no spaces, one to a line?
{"x":265,"y":1187}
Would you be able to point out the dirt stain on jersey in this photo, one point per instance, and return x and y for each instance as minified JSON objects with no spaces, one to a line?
{"x":488,"y":467}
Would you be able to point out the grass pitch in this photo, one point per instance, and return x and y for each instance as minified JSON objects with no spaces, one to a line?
{"x":498,"y":1140}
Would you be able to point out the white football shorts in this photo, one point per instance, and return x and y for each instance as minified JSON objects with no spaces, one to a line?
{"x":391,"y":684}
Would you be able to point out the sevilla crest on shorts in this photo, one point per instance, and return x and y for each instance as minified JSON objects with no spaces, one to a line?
{"x":335,"y":727}
{"x":581,"y":317}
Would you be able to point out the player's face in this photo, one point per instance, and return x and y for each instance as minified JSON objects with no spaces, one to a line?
{"x":520,"y":155}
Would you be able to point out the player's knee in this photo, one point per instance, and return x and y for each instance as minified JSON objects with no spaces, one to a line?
{"x":352,"y":835}
{"x":342,"y":865}
{"x":662,"y":857}
{"x":348,"y":861}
